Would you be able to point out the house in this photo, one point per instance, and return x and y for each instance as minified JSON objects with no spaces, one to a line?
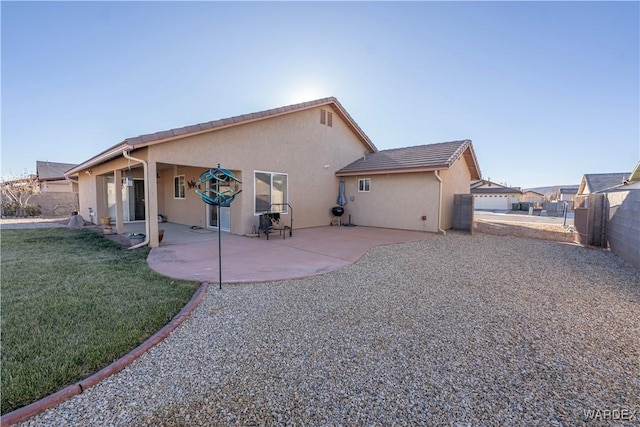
{"x":610,"y":216}
{"x":631,"y":182}
{"x":492,"y":196}
{"x":51,"y":177}
{"x":567,"y":193}
{"x":49,"y":192}
{"x":290,"y":160}
{"x":531,"y":196}
{"x":410,"y":188}
{"x":595,"y":182}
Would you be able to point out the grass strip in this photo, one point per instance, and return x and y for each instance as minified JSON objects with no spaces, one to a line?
{"x":73,"y":302}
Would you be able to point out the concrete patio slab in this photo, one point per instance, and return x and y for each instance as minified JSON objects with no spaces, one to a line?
{"x":308,"y":252}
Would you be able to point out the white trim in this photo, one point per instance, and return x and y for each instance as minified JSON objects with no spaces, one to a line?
{"x":286,"y":208}
{"x":184,"y":188}
{"x":366,"y":188}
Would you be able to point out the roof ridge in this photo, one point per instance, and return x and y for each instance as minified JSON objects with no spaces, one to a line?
{"x":425,"y":145}
{"x":427,"y":157}
{"x":180,"y":130}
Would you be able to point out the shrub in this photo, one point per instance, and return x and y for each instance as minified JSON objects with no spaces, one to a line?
{"x":32,"y":210}
{"x":8,"y":209}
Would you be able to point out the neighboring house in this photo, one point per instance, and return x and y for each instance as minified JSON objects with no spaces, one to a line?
{"x":293,"y":156}
{"x":410,"y":188}
{"x":631,"y":182}
{"x":51,"y":177}
{"x":58,"y":193}
{"x":531,"y":196}
{"x":492,"y":196}
{"x":52,"y":193}
{"x":610,"y":217}
{"x":568,"y":193}
{"x":595,"y":182}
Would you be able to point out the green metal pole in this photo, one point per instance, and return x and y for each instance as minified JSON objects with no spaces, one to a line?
{"x":219,"y":233}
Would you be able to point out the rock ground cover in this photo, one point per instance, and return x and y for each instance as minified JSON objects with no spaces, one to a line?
{"x":452,"y":330}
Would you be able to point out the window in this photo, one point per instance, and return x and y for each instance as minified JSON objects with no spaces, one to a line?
{"x":364,"y":185}
{"x":270,"y":188}
{"x":178,"y":187}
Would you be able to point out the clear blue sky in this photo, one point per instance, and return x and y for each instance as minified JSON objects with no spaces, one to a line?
{"x":547,"y":91}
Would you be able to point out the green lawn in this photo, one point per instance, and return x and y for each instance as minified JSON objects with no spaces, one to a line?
{"x":72,"y":303}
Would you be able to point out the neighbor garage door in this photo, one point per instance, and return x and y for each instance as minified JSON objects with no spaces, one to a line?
{"x":497,"y":201}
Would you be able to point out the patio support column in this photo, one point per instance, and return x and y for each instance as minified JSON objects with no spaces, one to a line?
{"x":152,"y":202}
{"x":117,"y":179}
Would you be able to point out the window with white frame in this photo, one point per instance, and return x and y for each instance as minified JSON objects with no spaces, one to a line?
{"x":271,"y":192}
{"x":178,"y":187}
{"x":364,"y":185}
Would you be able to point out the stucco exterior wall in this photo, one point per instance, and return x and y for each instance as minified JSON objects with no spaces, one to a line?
{"x":190,"y":210}
{"x":531,"y":197}
{"x":92,"y":188}
{"x":455,"y":180}
{"x":86,"y":195}
{"x":296,"y":144}
{"x":394,"y":201}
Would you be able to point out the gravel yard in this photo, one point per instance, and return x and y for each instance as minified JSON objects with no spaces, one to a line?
{"x":453,"y":330}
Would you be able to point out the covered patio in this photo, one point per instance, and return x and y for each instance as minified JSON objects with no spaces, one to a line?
{"x":192,"y":254}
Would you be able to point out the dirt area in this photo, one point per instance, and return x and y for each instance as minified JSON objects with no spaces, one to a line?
{"x":554,"y":232}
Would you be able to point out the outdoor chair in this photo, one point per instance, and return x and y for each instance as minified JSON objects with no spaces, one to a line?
{"x":270,"y":223}
{"x":265,"y":226}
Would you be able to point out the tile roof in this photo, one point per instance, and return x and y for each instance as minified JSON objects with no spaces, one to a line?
{"x":501,"y":190}
{"x":602,"y":181}
{"x":481,"y":182}
{"x":532,"y":191}
{"x":493,"y":188}
{"x":181,"y":132}
{"x":48,"y":171}
{"x":143,"y":140}
{"x":573,"y":189}
{"x":418,"y":158}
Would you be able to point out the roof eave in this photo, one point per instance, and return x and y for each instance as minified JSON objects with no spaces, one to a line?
{"x":330,"y":101}
{"x":106,"y":155}
{"x":393,"y":170}
{"x":472,"y":162}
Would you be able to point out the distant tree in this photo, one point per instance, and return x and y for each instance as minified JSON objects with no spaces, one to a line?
{"x":16,"y":193}
{"x":555,"y":194}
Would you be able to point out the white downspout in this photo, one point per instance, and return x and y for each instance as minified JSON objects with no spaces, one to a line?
{"x":440,"y":230}
{"x":147,"y":227}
